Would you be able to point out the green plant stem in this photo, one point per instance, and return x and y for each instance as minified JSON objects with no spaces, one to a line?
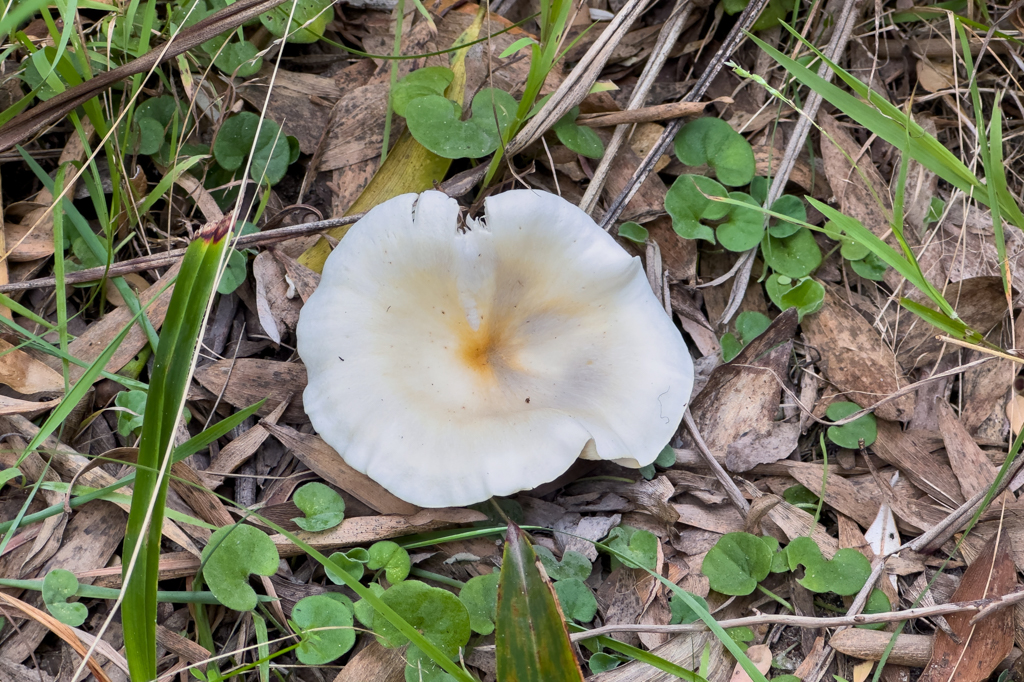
{"x":94,"y":592}
{"x":437,"y":578}
{"x":394,"y":79}
{"x":769,"y":593}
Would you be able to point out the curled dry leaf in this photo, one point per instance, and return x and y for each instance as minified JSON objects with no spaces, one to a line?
{"x":761,"y":656}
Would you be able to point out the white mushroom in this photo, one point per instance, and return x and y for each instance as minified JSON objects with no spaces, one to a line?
{"x":452,"y":364}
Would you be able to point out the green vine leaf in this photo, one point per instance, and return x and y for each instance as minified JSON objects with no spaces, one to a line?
{"x":352,"y":562}
{"x":436,"y":613}
{"x":323,"y":506}
{"x":392,"y":558}
{"x":318,"y":13}
{"x":743,"y":227}
{"x":580,"y":139}
{"x":480,"y":597}
{"x":434,"y":122}
{"x":806,"y":295}
{"x":430,"y":80}
{"x":641,"y":546}
{"x":795,"y":256}
{"x":844,"y":574}
{"x":688,"y":203}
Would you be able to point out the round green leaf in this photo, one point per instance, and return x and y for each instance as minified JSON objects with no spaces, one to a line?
{"x":687,"y":202}
{"x":576,"y":599}
{"x":480,"y":597}
{"x":317,"y":12}
{"x":572,"y":565}
{"x":877,"y":603}
{"x":743,"y":227}
{"x":799,"y":496}
{"x":324,"y":508}
{"x":712,"y":141}
{"x":59,"y":585}
{"x":602,"y":662}
{"x":850,"y":435}
{"x":737,"y":563}
{"x":794,"y":256}
{"x":682,"y":614}
{"x":731,"y":346}
{"x":430,"y":80}
{"x":436,"y":613}
{"x":750,"y":324}
{"x":151,"y":135}
{"x":321,"y":646}
{"x":641,"y":546}
{"x":130,"y":417}
{"x":364,"y":611}
{"x":392,"y":558}
{"x":234,"y":140}
{"x":870,"y":267}
{"x":234,"y":273}
{"x":352,"y":562}
{"x":233,"y":553}
{"x":634,"y":232}
{"x":845,"y":574}
{"x":806,"y":295}
{"x":432,"y":121}
{"x":580,"y":139}
{"x":788,"y":205}
{"x":272,"y":154}
{"x":238,"y":59}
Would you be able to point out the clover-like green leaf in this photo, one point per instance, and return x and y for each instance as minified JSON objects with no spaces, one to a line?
{"x":634,"y":232}
{"x":687,"y":202}
{"x":363,"y":610}
{"x":576,"y":599}
{"x":602,"y":662}
{"x":795,"y":256}
{"x":743,"y":227}
{"x":133,"y":407}
{"x":580,"y":139}
{"x":480,"y":597}
{"x":572,"y":565}
{"x":850,"y":435}
{"x":325,"y":622}
{"x":682,"y":614}
{"x":318,"y":13}
{"x":430,"y":80}
{"x":234,"y":273}
{"x":436,"y":613}
{"x":870,"y":267}
{"x":800,"y":496}
{"x":433,"y":121}
{"x":641,"y":546}
{"x":877,"y":603}
{"x":323,"y":506}
{"x":737,"y":563}
{"x":749,"y":325}
{"x":235,"y":139}
{"x":352,"y":562}
{"x":731,"y":346}
{"x":392,"y":558}
{"x":59,"y":585}
{"x":844,"y":574}
{"x":788,"y":205}
{"x":806,"y":295}
{"x":232,"y":555}
{"x":712,"y":141}
{"x":239,"y":59}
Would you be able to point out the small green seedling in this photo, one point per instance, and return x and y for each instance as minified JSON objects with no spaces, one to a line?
{"x":580,"y":139}
{"x":326,"y":626}
{"x":688,"y":203}
{"x":275,"y":151}
{"x":795,"y":256}
{"x":749,"y":325}
{"x":392,"y":558}
{"x":133,"y":407}
{"x":58,"y":586}
{"x":480,"y":597}
{"x":806,"y":295}
{"x":862,"y":260}
{"x":436,"y":613}
{"x":844,"y":574}
{"x":576,"y":599}
{"x":232,"y":555}
{"x":737,"y":563}
{"x":352,"y":562}
{"x":712,"y":141}
{"x":861,"y":432}
{"x":634,"y":232}
{"x":323,"y":506}
{"x":641,"y":546}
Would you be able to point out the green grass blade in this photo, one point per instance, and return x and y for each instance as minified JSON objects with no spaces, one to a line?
{"x":647,"y":657}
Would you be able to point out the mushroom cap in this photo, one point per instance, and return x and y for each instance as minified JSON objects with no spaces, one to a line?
{"x":451,"y":364}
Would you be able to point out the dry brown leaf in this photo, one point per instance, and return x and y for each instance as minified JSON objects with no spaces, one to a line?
{"x":934,"y":75}
{"x":250,"y":380}
{"x":983,"y":645}
{"x":907,"y":451}
{"x":278,"y":313}
{"x":971,"y":466}
{"x":752,"y":449}
{"x":25,"y":374}
{"x":760,"y":655}
{"x":857,"y":190}
{"x":856,"y":359}
{"x":376,"y":663}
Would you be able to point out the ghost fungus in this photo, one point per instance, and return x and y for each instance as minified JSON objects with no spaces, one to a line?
{"x":451,"y":363}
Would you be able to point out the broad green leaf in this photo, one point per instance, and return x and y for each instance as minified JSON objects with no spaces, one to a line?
{"x":352,"y":562}
{"x":712,"y":141}
{"x":480,"y":597}
{"x":791,"y":206}
{"x":430,"y":80}
{"x":392,"y":558}
{"x":232,"y":555}
{"x":234,"y":273}
{"x":312,"y":15}
{"x":364,"y":610}
{"x":576,"y":599}
{"x":795,"y":256}
{"x":131,"y":416}
{"x":323,"y":506}
{"x":641,"y":546}
{"x":59,"y":585}
{"x":432,"y":120}
{"x":800,"y":496}
{"x":844,"y":574}
{"x":531,"y":641}
{"x":681,"y":611}
{"x":634,"y":232}
{"x":870,"y":267}
{"x":438,"y":614}
{"x":572,"y":565}
{"x":806,"y":295}
{"x":580,"y":139}
{"x":850,"y":435}
{"x":602,"y":662}
{"x":743,"y":227}
{"x":331,"y":613}
{"x":779,"y":562}
{"x":731,"y":346}
{"x":737,"y":563}
{"x":239,"y":59}
{"x":687,"y":202}
{"x":750,"y":324}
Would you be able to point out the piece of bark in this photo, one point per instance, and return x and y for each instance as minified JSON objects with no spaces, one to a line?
{"x":859,"y":500}
{"x":928,"y":471}
{"x":983,"y":645}
{"x":376,"y":663}
{"x":971,"y":466}
{"x":855,"y":359}
{"x":868,"y":645}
